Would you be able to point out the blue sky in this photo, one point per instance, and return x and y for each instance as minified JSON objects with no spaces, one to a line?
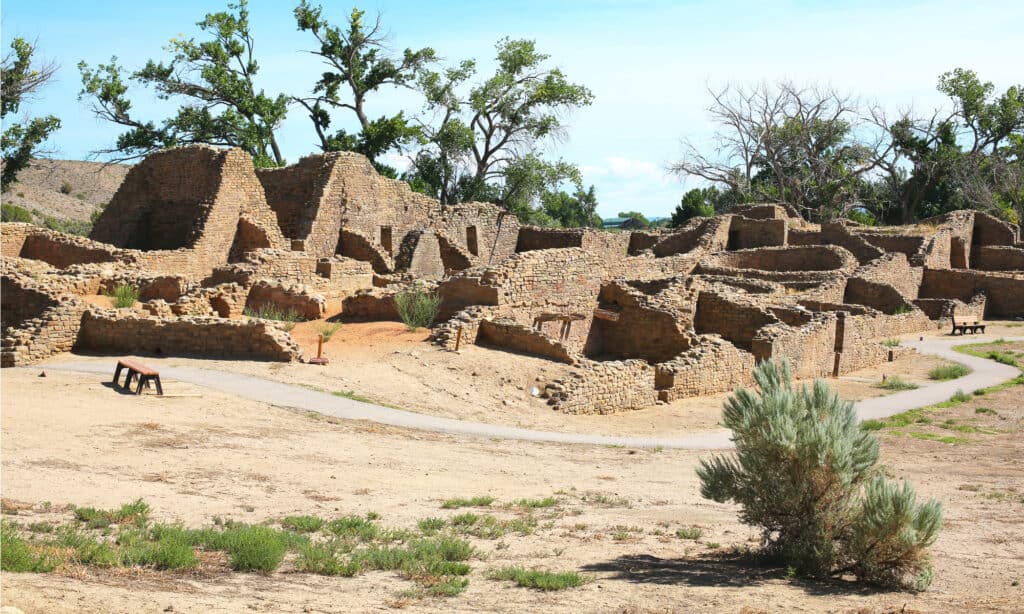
{"x":648,"y":63}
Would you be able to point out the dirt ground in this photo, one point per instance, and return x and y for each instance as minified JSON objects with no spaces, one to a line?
{"x":196,"y":454}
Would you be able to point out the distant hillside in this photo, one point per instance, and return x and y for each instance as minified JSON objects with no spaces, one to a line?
{"x":65,"y":191}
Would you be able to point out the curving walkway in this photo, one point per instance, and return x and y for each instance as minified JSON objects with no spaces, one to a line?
{"x":986,"y":373}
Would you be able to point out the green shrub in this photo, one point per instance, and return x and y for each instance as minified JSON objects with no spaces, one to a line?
{"x":479,"y":501}
{"x":430,"y":526}
{"x":902,"y":309}
{"x":540,"y":580}
{"x":14,"y":213}
{"x":322,"y":559}
{"x":73,"y":227}
{"x":416,"y":307}
{"x":303,"y":524}
{"x":891,"y":342}
{"x":136,"y":512}
{"x":254,"y":548}
{"x":808,"y":476}
{"x":354,"y":526}
{"x":536,"y":503}
{"x":689,"y":532}
{"x":125,"y":296}
{"x":947,"y":372}
{"x":66,"y":187}
{"x":165,"y":548}
{"x":17,"y":556}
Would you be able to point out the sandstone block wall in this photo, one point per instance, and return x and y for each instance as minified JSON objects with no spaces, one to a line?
{"x":604,"y":388}
{"x":1004,"y":292}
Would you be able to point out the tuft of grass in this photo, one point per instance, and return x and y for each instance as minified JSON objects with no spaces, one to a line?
{"x":940,"y":438}
{"x":689,"y":532}
{"x":536,"y":503}
{"x":891,"y":342}
{"x":323,"y":559}
{"x":895,"y":383}
{"x":303,"y":524}
{"x":606,"y":500}
{"x":430,"y":526}
{"x":538,"y":579}
{"x":169,"y":549}
{"x":480,"y":501}
{"x":136,"y":512}
{"x":66,"y":187}
{"x":354,"y":527}
{"x":41,"y":527}
{"x":124,"y":296}
{"x":269,"y":311}
{"x":986,"y":410}
{"x":902,"y":309}
{"x":948,"y":372}
{"x":327,"y":329}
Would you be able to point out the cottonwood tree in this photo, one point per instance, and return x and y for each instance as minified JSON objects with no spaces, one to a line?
{"x":359,"y":65}
{"x":785,"y":143}
{"x":485,"y":143}
{"x":21,"y":81}
{"x":214,"y":78}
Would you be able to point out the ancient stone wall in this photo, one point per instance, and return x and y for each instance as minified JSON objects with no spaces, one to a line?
{"x":109,"y":331}
{"x":1004,"y":292}
{"x":999,"y":258}
{"x":604,"y":388}
{"x":509,"y":335}
{"x":745,"y":233}
{"x":733,"y":318}
{"x":287,"y":297}
{"x":711,"y":365}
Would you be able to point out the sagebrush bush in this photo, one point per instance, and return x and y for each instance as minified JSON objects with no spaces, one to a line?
{"x":808,"y":476}
{"x":416,"y":307}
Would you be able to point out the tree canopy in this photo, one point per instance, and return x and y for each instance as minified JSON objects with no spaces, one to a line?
{"x":22,"y":80}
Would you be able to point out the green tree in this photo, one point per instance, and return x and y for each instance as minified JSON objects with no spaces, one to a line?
{"x":703,"y":202}
{"x":21,"y":81}
{"x":359,"y":66}
{"x":575,"y":210}
{"x":216,"y":80}
{"x":808,"y":476}
{"x":490,"y":136}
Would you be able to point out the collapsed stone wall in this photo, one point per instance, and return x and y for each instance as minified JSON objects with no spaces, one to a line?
{"x":604,"y":388}
{"x":710,"y":366}
{"x":1003,"y":291}
{"x":510,"y":335}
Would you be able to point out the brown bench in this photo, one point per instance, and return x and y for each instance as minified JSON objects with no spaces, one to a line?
{"x":962,"y":324}
{"x":138,"y":370}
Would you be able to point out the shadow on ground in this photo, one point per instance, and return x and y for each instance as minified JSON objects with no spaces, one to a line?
{"x":735,"y":570}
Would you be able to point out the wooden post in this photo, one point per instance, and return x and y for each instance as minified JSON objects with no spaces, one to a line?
{"x":458,"y":338}
{"x":320,"y":346}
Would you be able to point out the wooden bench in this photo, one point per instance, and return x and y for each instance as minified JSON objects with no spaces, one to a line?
{"x":961,"y":324}
{"x":138,"y":370}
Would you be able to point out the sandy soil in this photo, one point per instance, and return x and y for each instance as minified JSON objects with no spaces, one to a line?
{"x":69,"y":438}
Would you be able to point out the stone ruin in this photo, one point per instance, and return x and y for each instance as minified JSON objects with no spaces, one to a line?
{"x":643,"y":317}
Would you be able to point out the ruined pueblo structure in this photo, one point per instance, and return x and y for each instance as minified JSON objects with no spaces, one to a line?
{"x":644,"y":317}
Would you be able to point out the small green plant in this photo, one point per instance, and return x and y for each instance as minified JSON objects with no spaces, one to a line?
{"x":136,"y":512}
{"x":536,"y":503}
{"x":713,"y":545}
{"x":124,"y":296}
{"x":323,"y":559}
{"x":895,"y":383}
{"x":822,"y":518}
{"x":16,"y":555}
{"x":327,"y":330}
{"x":891,"y":342}
{"x":947,"y":372}
{"x":430,"y":526}
{"x":958,"y":397}
{"x":303,"y":524}
{"x":986,"y":410}
{"x":269,"y":311}
{"x":354,"y":527}
{"x":479,"y":501}
{"x":254,"y":548}
{"x":538,"y":579}
{"x":66,"y":187}
{"x":902,"y":309}
{"x":416,"y":307}
{"x":689,"y":532}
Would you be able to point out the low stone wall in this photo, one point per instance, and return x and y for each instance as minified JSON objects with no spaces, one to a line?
{"x":1005,"y":292}
{"x":509,"y":335}
{"x":745,"y":233}
{"x":604,"y":388}
{"x":712,"y":365}
{"x":999,"y":258}
{"x":810,"y":348}
{"x":109,"y":331}
{"x":51,"y":332}
{"x":880,"y":296}
{"x":287,"y":297}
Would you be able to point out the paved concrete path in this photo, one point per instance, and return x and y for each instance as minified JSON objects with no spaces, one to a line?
{"x":986,"y":373}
